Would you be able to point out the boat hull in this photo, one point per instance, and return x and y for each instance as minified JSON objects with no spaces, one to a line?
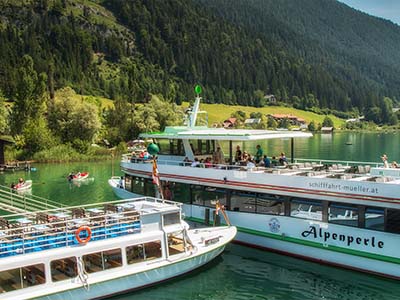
{"x":306,"y":239}
{"x":136,"y":281}
{"x":120,"y":192}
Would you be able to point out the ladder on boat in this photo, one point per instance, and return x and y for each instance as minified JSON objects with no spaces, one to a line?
{"x":12,"y":202}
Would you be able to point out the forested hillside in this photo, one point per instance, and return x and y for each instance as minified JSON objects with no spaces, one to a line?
{"x":309,"y":53}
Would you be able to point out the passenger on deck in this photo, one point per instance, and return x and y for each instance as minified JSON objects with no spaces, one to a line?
{"x":218,"y":156}
{"x":250,"y":164}
{"x":274,"y":162}
{"x":208,"y":163}
{"x":121,"y":182}
{"x":196,"y":163}
{"x":267,"y":162}
{"x":238,"y":154}
{"x":259,"y":154}
{"x":385,"y":161}
{"x":283,"y":159}
{"x":186,"y":161}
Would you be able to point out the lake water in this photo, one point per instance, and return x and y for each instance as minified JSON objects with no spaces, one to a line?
{"x":241,"y":272}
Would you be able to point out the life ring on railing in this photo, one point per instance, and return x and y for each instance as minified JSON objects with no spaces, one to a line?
{"x":83,"y":240}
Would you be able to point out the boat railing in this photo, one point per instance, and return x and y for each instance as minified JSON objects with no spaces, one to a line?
{"x":16,"y":201}
{"x":334,"y":166}
{"x":71,"y":226}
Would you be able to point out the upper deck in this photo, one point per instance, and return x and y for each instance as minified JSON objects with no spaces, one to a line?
{"x":56,"y":228}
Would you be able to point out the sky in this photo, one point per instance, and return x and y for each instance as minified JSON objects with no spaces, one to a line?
{"x":387,"y":9}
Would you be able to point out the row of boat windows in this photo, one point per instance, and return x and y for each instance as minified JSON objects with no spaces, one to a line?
{"x":67,"y":268}
{"x":175,"y":147}
{"x":369,"y":217}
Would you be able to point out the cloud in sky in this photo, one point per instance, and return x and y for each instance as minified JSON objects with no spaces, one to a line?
{"x":387,"y":9}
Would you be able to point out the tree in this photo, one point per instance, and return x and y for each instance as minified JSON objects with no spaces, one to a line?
{"x":327,"y":122}
{"x":72,"y":119}
{"x":29,"y":102}
{"x":37,"y":136}
{"x":312,"y":126}
{"x":3,"y":116}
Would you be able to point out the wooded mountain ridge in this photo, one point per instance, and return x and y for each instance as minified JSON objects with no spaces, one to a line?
{"x":312,"y":54}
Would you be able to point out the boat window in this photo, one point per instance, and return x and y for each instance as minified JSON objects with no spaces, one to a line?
{"x":112,"y":259}
{"x":100,"y":261}
{"x":393,"y":220}
{"x":375,"y":218}
{"x":170,"y":219}
{"x":243,"y":201}
{"x":138,"y":185}
{"x":311,"y":210}
{"x":135,"y":254}
{"x":202,"y":147}
{"x":268,"y":204}
{"x":343,"y":214}
{"x":10,"y":280}
{"x":149,"y":188}
{"x":128,"y":182}
{"x":207,"y":195}
{"x":62,"y":269}
{"x":179,"y":192}
{"x":163,"y":146}
{"x":176,"y":243}
{"x":93,"y":262}
{"x":152,"y":250}
{"x":33,"y":275}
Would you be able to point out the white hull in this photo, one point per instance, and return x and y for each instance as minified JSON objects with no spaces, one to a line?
{"x":120,"y":192}
{"x":284,"y":235}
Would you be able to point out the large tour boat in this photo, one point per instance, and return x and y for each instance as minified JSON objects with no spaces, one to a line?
{"x":102,"y":249}
{"x":343,"y":214}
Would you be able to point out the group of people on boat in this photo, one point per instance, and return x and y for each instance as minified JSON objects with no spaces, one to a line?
{"x":385,"y":161}
{"x":241,"y":158}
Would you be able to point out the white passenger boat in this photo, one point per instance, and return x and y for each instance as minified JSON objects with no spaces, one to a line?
{"x":343,"y":214}
{"x":103,"y":249}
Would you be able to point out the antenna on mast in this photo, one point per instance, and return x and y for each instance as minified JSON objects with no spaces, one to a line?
{"x":195,"y":110}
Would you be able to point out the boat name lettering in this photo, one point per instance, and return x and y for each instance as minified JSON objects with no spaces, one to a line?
{"x":341,"y":187}
{"x":348,"y":239}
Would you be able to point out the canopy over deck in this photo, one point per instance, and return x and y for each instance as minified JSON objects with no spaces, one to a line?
{"x":222,"y":134}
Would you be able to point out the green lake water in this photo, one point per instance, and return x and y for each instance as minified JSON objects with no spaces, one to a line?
{"x":241,"y":272}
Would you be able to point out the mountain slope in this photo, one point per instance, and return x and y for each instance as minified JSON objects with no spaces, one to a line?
{"x":307,"y":52}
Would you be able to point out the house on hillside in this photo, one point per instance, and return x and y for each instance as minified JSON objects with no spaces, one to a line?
{"x":252,"y":121}
{"x":270,"y":99}
{"x":327,"y":129}
{"x":293,"y":120}
{"x":229,"y":123}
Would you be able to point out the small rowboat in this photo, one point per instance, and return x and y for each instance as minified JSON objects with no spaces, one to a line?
{"x":22,"y":186}
{"x":78,"y":177}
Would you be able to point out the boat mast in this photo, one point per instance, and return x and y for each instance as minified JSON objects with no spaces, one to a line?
{"x":195,"y":110}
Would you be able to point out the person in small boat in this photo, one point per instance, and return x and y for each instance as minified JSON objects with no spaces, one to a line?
{"x":70,"y":176}
{"x":78,"y":174}
{"x":394,"y":164}
{"x":385,"y":161}
{"x":21,"y":181}
{"x":259,"y":154}
{"x":13,"y":185}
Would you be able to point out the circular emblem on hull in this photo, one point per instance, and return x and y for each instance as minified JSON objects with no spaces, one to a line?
{"x":274,"y":225}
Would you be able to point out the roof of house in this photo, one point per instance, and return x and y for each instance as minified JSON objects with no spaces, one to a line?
{"x":252,"y":121}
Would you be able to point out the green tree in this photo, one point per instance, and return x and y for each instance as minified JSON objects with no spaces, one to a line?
{"x":29,"y":102}
{"x":3,"y":115}
{"x":312,"y":126}
{"x":71,"y":118}
{"x":327,"y":122}
{"x":271,"y":123}
{"x":37,"y":136}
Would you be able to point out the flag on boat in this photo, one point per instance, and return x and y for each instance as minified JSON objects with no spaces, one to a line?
{"x":156,"y":176}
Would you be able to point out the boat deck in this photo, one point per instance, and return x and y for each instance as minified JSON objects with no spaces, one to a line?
{"x":50,"y":229}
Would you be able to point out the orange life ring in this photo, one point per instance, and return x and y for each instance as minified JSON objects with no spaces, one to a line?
{"x":89,"y":234}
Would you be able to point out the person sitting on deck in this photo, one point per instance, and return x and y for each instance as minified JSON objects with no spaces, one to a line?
{"x":385,"y":161}
{"x":208,"y":163}
{"x":282,"y":159}
{"x":196,"y":163}
{"x":267,"y":162}
{"x":238,"y":154}
{"x":274,"y":162}
{"x":250,"y":164}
